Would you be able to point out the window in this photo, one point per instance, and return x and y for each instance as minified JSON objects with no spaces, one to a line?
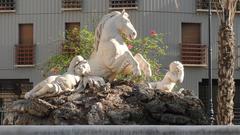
{"x":71,"y":25}
{"x":202,"y":5}
{"x":72,"y":30}
{"x":193,"y":53}
{"x":123,"y":4}
{"x":71,"y":4}
{"x":25,"y":50}
{"x":7,"y":5}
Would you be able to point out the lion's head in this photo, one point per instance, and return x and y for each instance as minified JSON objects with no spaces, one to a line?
{"x":177,"y":67}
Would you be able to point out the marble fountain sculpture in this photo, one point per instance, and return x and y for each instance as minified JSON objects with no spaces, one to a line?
{"x":81,"y":96}
{"x":174,"y":75}
{"x":111,"y":55}
{"x":57,"y":84}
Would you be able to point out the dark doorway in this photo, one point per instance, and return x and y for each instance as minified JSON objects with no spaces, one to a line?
{"x":1,"y":111}
{"x":12,"y":90}
{"x":204,"y":95}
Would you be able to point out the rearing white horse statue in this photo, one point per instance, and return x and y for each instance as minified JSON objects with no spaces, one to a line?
{"x":111,"y":55}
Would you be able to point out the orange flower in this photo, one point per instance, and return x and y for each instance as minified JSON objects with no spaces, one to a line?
{"x":153,"y":33}
{"x":55,"y":70}
{"x":130,"y":47}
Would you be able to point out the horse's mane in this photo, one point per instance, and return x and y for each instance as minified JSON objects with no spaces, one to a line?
{"x":98,"y":31}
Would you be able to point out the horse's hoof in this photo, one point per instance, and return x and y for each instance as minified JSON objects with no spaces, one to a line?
{"x":27,"y":95}
{"x":149,"y":74}
{"x":137,"y":73}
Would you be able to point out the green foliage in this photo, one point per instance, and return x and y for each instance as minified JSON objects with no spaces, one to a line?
{"x":151,"y":47}
{"x":80,"y":42}
{"x":77,"y":42}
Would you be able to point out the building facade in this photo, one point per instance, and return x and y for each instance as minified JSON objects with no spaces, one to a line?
{"x":31,"y":31}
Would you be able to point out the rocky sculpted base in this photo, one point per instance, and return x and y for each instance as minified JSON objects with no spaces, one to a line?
{"x":121,"y":103}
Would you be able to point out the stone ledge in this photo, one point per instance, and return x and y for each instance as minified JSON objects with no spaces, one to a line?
{"x":120,"y":130}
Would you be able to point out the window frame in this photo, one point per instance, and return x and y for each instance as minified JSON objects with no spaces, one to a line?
{"x":72,"y":8}
{"x":25,"y":53}
{"x":10,"y":6}
{"x":122,"y":6}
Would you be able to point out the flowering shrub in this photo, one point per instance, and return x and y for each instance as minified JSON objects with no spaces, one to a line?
{"x":152,"y":47}
{"x":80,"y":42}
{"x":77,"y":42}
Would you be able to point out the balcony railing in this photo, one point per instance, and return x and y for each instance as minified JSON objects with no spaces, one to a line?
{"x":202,"y":5}
{"x":25,"y":55}
{"x":236,"y":120}
{"x":71,"y":4}
{"x":194,"y":54}
{"x":7,"y":5}
{"x":123,"y":4}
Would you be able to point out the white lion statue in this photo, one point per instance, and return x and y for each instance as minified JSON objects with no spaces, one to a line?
{"x":174,"y":75}
{"x":57,"y":84}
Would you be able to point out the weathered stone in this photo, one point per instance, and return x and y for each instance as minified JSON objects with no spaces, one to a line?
{"x":123,"y":103}
{"x":176,"y":108}
{"x":24,"y":119}
{"x":74,"y":97}
{"x":175,"y":119}
{"x":186,"y":92}
{"x":36,"y":107}
{"x":120,"y":117}
{"x":156,"y":107}
{"x":96,"y":115}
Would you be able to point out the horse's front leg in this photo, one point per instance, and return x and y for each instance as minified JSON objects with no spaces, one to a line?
{"x":133,"y":67}
{"x":144,"y":65}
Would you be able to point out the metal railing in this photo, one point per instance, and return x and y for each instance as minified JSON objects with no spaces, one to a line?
{"x":126,"y":4}
{"x":7,"y":5}
{"x":25,"y":54}
{"x":194,"y":54}
{"x":236,"y":120}
{"x":71,"y":4}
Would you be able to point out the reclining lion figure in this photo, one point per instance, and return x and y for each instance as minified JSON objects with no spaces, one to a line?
{"x":174,"y":75}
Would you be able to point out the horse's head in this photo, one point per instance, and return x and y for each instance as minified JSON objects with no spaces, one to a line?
{"x":114,"y":23}
{"x":125,"y":26}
